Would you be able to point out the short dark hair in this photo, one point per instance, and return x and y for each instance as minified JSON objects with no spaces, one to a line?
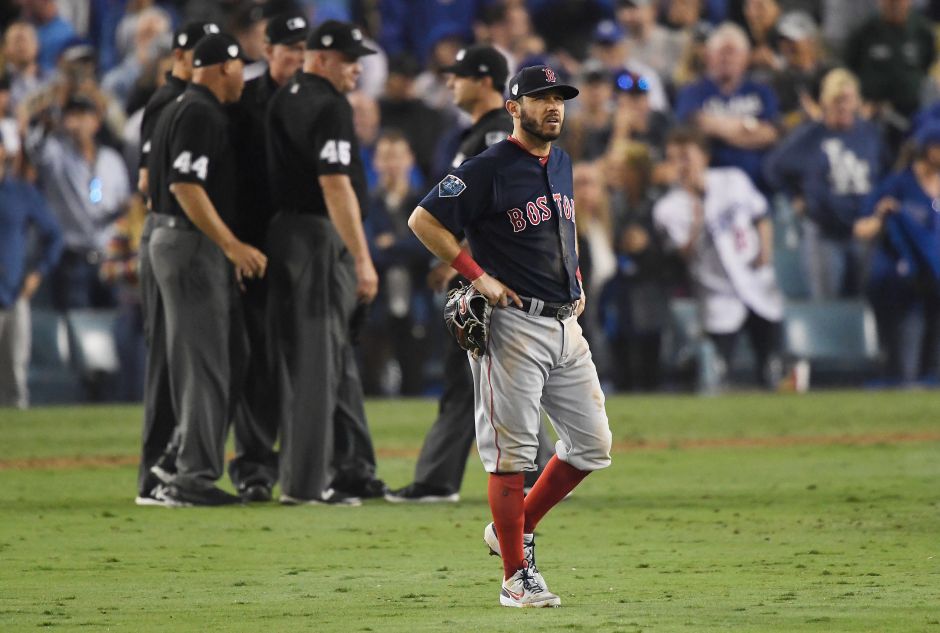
{"x":688,"y":135}
{"x":393,"y":135}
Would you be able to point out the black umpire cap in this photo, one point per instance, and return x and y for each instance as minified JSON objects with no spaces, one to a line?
{"x":535,"y":79}
{"x":287,"y":29}
{"x":188,"y":35}
{"x":216,"y":49}
{"x":334,"y":35}
{"x":481,"y":61}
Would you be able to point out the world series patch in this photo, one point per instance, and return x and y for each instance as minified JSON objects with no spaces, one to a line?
{"x":451,"y":187}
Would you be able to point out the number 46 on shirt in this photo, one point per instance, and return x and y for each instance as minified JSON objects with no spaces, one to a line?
{"x":185,"y":164}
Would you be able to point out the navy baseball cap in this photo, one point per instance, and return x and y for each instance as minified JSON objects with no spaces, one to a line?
{"x":216,"y":49}
{"x":928,"y":134}
{"x":286,"y":28}
{"x":535,"y":79}
{"x":481,"y":61}
{"x":334,"y":35}
{"x":188,"y":35}
{"x":608,"y":32}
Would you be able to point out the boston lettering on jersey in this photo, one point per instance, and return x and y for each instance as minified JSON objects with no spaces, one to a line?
{"x":518,"y":214}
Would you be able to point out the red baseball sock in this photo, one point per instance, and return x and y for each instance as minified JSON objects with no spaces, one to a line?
{"x":507,"y":505}
{"x":555,"y":482}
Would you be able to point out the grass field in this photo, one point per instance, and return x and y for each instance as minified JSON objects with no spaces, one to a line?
{"x":741,"y":513}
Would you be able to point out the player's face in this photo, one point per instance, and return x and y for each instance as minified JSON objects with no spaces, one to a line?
{"x":542,"y":114}
{"x":233,"y":72}
{"x":347,"y":70}
{"x":689,"y":161}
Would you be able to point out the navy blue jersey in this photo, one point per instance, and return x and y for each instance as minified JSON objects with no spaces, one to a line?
{"x":517,"y":212}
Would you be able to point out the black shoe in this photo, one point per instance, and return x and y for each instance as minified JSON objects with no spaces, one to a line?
{"x":155,"y":496}
{"x":255,"y":493}
{"x":422,"y":493}
{"x":181,"y":497}
{"x":329,"y":497}
{"x":367,"y":489}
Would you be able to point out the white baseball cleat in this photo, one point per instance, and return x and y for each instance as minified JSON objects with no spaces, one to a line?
{"x":525,"y":589}
{"x":528,"y":549}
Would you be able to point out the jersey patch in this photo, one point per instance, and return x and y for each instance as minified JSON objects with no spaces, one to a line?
{"x":492,"y":138}
{"x":451,"y":187}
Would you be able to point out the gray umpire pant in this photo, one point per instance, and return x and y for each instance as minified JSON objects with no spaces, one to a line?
{"x":311,"y":301}
{"x":256,"y":417}
{"x":204,"y":335}
{"x":159,"y":419}
{"x":443,"y":458}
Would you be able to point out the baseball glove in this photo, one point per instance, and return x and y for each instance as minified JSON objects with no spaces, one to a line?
{"x":467,"y":316}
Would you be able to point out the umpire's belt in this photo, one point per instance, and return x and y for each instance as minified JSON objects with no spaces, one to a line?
{"x":165,"y":221}
{"x":537,"y":307}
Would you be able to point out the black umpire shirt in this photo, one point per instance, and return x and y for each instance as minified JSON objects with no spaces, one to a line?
{"x":310,"y":134}
{"x":490,"y":129}
{"x":248,"y":141}
{"x":173,"y":88}
{"x":190,"y":144}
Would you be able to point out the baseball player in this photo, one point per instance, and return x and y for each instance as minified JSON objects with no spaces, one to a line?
{"x":157,"y":445}
{"x":515,"y":204}
{"x":192,"y":173}
{"x":254,"y":469}
{"x":477,"y":80}
{"x":717,"y":220}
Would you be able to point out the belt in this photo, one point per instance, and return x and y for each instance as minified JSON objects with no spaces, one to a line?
{"x":165,"y":221}
{"x":537,"y":307}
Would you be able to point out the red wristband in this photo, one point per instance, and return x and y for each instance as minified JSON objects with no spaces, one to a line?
{"x":577,"y":274}
{"x":466,"y":266}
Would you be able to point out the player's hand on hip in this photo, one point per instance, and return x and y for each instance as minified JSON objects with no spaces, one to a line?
{"x":581,"y":304}
{"x":495,"y":292}
{"x":367,"y":280}
{"x":250,"y":263}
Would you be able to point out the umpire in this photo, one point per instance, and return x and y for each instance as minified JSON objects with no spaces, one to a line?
{"x":157,"y":447}
{"x":477,"y":80}
{"x":320,"y":275}
{"x":192,"y":178}
{"x":254,"y":469}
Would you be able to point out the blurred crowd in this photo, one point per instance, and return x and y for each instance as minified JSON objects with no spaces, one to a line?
{"x":830,"y":107}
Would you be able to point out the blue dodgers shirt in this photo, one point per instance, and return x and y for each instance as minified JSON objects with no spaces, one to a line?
{"x":517,"y":212}
{"x":750,"y":99}
{"x":834,"y":171}
{"x":917,"y":229}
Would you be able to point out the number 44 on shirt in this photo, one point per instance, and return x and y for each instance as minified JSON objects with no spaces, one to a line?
{"x":185,"y":164}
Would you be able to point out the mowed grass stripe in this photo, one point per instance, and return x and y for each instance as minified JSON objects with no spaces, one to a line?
{"x":113,"y":461}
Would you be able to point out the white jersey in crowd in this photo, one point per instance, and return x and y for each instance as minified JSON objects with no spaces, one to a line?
{"x":725,"y":280}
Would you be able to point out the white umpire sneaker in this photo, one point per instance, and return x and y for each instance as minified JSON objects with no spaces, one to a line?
{"x":528,"y":550}
{"x":330,"y":497}
{"x":525,"y":589}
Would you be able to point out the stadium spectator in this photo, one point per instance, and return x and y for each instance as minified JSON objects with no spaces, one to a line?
{"x":611,"y":47}
{"x":119,"y":270}
{"x":53,"y":32}
{"x":635,"y":120}
{"x":588,"y":129}
{"x":736,"y":113}
{"x":904,"y":281}
{"x":402,"y":110}
{"x":634,"y":304}
{"x":507,"y":27}
{"x":21,"y":58}
{"x":891,"y":53}
{"x":431,"y":84}
{"x":87,"y":187}
{"x":21,"y":209}
{"x":718,"y":222}
{"x":828,"y":168}
{"x":760,"y":21}
{"x":797,"y":82}
{"x":408,"y":26}
{"x":9,"y":128}
{"x":691,"y":66}
{"x":151,"y":41}
{"x":653,"y":44}
{"x":399,"y":326}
